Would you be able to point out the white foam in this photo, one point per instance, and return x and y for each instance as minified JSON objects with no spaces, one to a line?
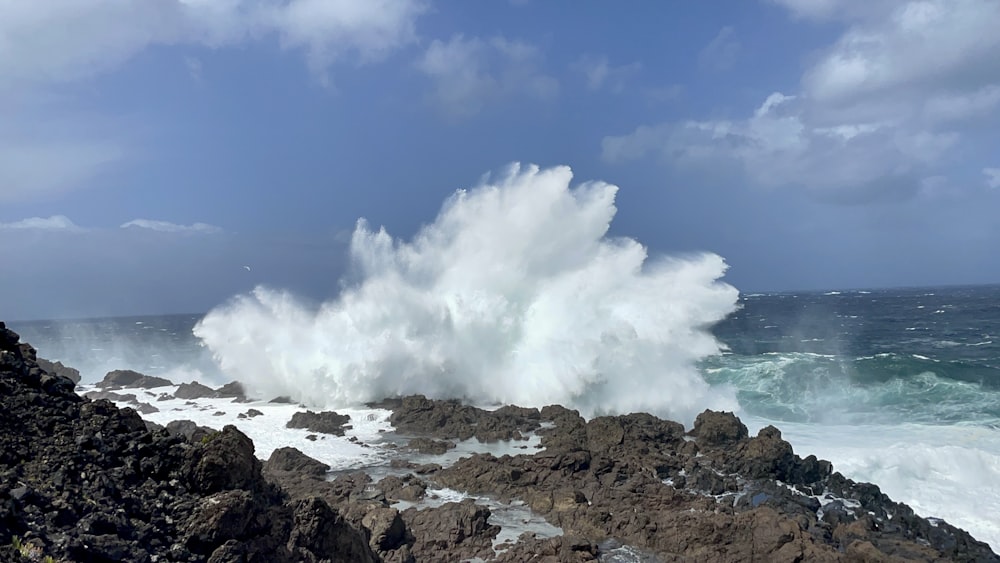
{"x":514,"y":294}
{"x":268,"y":430}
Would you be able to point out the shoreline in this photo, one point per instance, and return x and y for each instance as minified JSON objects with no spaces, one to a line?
{"x":690,"y":484}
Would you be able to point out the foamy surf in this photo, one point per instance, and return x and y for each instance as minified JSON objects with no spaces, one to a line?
{"x":514,"y":294}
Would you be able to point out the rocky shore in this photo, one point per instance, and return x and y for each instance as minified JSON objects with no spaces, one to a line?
{"x":84,"y":480}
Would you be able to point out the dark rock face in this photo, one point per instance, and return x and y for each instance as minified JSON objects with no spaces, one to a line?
{"x":234,"y":390}
{"x":57,"y":368}
{"x":82,"y":480}
{"x":190,"y":431}
{"x":195,"y":390}
{"x":127,"y":378}
{"x":322,"y":422}
{"x":720,"y":497}
{"x":430,"y":446}
{"x":418,"y":415}
{"x":455,"y":531}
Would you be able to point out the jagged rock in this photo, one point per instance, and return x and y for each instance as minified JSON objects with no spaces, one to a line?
{"x":319,"y":529}
{"x":430,"y":446}
{"x":234,"y":390}
{"x":195,"y":390}
{"x":451,"y":420}
{"x":120,"y":378}
{"x":58,"y":368}
{"x":408,"y":488}
{"x":388,"y":532}
{"x":290,"y":459}
{"x":190,"y":431}
{"x":323,"y":422}
{"x":226,"y":461}
{"x":453,"y":531}
{"x":718,"y":429}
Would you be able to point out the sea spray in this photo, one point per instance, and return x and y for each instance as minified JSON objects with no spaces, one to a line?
{"x":514,"y":294}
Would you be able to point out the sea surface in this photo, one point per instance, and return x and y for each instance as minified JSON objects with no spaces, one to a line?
{"x":900,"y":387}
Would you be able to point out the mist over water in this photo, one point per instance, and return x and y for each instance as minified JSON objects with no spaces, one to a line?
{"x":514,"y":294}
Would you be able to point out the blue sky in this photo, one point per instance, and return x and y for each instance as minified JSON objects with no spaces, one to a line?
{"x":150,"y":150}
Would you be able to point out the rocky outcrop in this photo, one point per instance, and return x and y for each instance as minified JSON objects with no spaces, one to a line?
{"x":57,"y":368}
{"x":322,"y":422}
{"x":195,"y":390}
{"x":450,"y":419}
{"x":81,"y":480}
{"x":120,"y":378}
{"x":233,"y":390}
{"x":714,"y":495}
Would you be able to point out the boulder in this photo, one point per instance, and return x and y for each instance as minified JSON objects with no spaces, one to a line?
{"x":322,"y":422}
{"x":195,"y":390}
{"x":57,"y":368}
{"x":718,"y":429}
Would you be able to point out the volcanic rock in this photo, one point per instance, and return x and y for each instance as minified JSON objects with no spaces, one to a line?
{"x":82,"y":480}
{"x":120,"y":378}
{"x":430,"y":446}
{"x":322,"y":422}
{"x":195,"y":390}
{"x":57,"y":368}
{"x":451,"y":420}
{"x":234,"y":390}
{"x":451,"y":532}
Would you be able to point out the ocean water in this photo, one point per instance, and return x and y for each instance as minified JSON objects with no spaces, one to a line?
{"x":516,"y":293}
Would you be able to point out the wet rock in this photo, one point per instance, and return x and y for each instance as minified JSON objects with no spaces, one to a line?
{"x":323,"y":422}
{"x":195,"y":390}
{"x":430,"y":446}
{"x":120,"y":378}
{"x":451,"y":420}
{"x":234,"y":390}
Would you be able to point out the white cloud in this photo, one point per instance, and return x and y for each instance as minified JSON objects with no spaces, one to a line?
{"x":879,"y":115}
{"x":992,"y":177}
{"x":51,"y":42}
{"x":470,"y":73}
{"x":777,"y":146}
{"x":721,"y":52}
{"x":599,"y":72}
{"x":921,"y":47}
{"x":167,"y":227}
{"x":53,"y":223}
{"x":44,"y":46}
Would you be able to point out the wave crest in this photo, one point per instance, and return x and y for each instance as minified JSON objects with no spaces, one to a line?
{"x":514,"y":294}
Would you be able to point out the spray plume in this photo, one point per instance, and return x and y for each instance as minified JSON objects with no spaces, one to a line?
{"x":514,"y":294}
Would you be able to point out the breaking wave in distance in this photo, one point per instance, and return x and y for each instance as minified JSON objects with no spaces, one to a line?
{"x":514,"y":294}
